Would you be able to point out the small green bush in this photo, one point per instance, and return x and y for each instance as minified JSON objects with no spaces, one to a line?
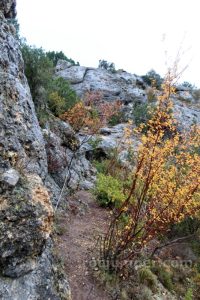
{"x":38,"y":68}
{"x":101,"y":166}
{"x":186,"y":227}
{"x":147,"y":277}
{"x":94,"y":143}
{"x":188,"y":85}
{"x":142,"y":113}
{"x":145,"y":293}
{"x":153,"y":79}
{"x":104,"y":64}
{"x":189,"y":294}
{"x":109,"y":190}
{"x":164,"y":276}
{"x":117,"y":119}
{"x":61,"y":96}
{"x":55,"y":56}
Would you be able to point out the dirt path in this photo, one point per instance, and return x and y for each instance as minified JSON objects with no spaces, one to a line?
{"x":82,"y":226}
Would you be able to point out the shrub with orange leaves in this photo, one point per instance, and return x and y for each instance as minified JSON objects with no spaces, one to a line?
{"x":165,"y":186}
{"x":91,"y":114}
{"x":81,"y":116}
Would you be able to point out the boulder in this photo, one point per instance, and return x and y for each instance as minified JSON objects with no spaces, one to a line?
{"x":73,"y":74}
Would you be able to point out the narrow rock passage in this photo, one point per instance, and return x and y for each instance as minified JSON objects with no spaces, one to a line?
{"x":82,"y":226}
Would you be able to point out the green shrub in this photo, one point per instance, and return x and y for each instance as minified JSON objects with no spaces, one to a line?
{"x":55,"y":56}
{"x":142,"y":113}
{"x":43,"y":117}
{"x":188,"y":85}
{"x":102,"y":166}
{"x":61,"y":96}
{"x":189,"y":294}
{"x":104,"y":64}
{"x":94,"y":143}
{"x":147,"y":277}
{"x":109,"y":190}
{"x":56,"y":103}
{"x":164,"y":276}
{"x":153,"y":79}
{"x":186,"y":227}
{"x":38,"y":68}
{"x":145,"y":294}
{"x":117,"y":119}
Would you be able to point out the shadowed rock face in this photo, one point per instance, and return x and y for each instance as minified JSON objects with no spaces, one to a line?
{"x":8,"y":8}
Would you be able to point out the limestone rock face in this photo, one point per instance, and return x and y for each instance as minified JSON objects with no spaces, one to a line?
{"x":8,"y":8}
{"x":22,"y":153}
{"x":26,"y":212}
{"x":21,"y":140}
{"x":25,"y":221}
{"x":64,"y":149}
{"x":119,"y":85}
{"x":46,"y":281}
{"x":128,"y":88}
{"x":186,"y":115}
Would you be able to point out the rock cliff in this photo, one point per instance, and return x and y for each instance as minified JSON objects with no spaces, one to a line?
{"x":27,"y":270}
{"x":130,"y":89}
{"x":118,"y":85}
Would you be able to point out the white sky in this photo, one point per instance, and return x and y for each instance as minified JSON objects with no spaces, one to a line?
{"x":129,"y":32}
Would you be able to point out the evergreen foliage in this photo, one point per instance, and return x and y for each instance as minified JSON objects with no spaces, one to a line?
{"x":38,"y":68}
{"x":61,"y":96}
{"x":55,"y":56}
{"x":153,"y":79}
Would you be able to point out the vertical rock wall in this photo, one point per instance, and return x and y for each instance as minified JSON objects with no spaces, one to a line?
{"x":26,"y":214}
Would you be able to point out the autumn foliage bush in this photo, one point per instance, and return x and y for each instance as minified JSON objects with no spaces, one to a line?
{"x":91,"y":113}
{"x":164,"y":187}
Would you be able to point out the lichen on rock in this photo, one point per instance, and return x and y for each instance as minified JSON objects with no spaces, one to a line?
{"x":25,"y":223}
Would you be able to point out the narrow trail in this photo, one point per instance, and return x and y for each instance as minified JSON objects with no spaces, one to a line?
{"x":82,"y":226}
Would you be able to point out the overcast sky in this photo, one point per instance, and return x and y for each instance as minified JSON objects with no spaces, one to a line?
{"x":137,"y":35}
